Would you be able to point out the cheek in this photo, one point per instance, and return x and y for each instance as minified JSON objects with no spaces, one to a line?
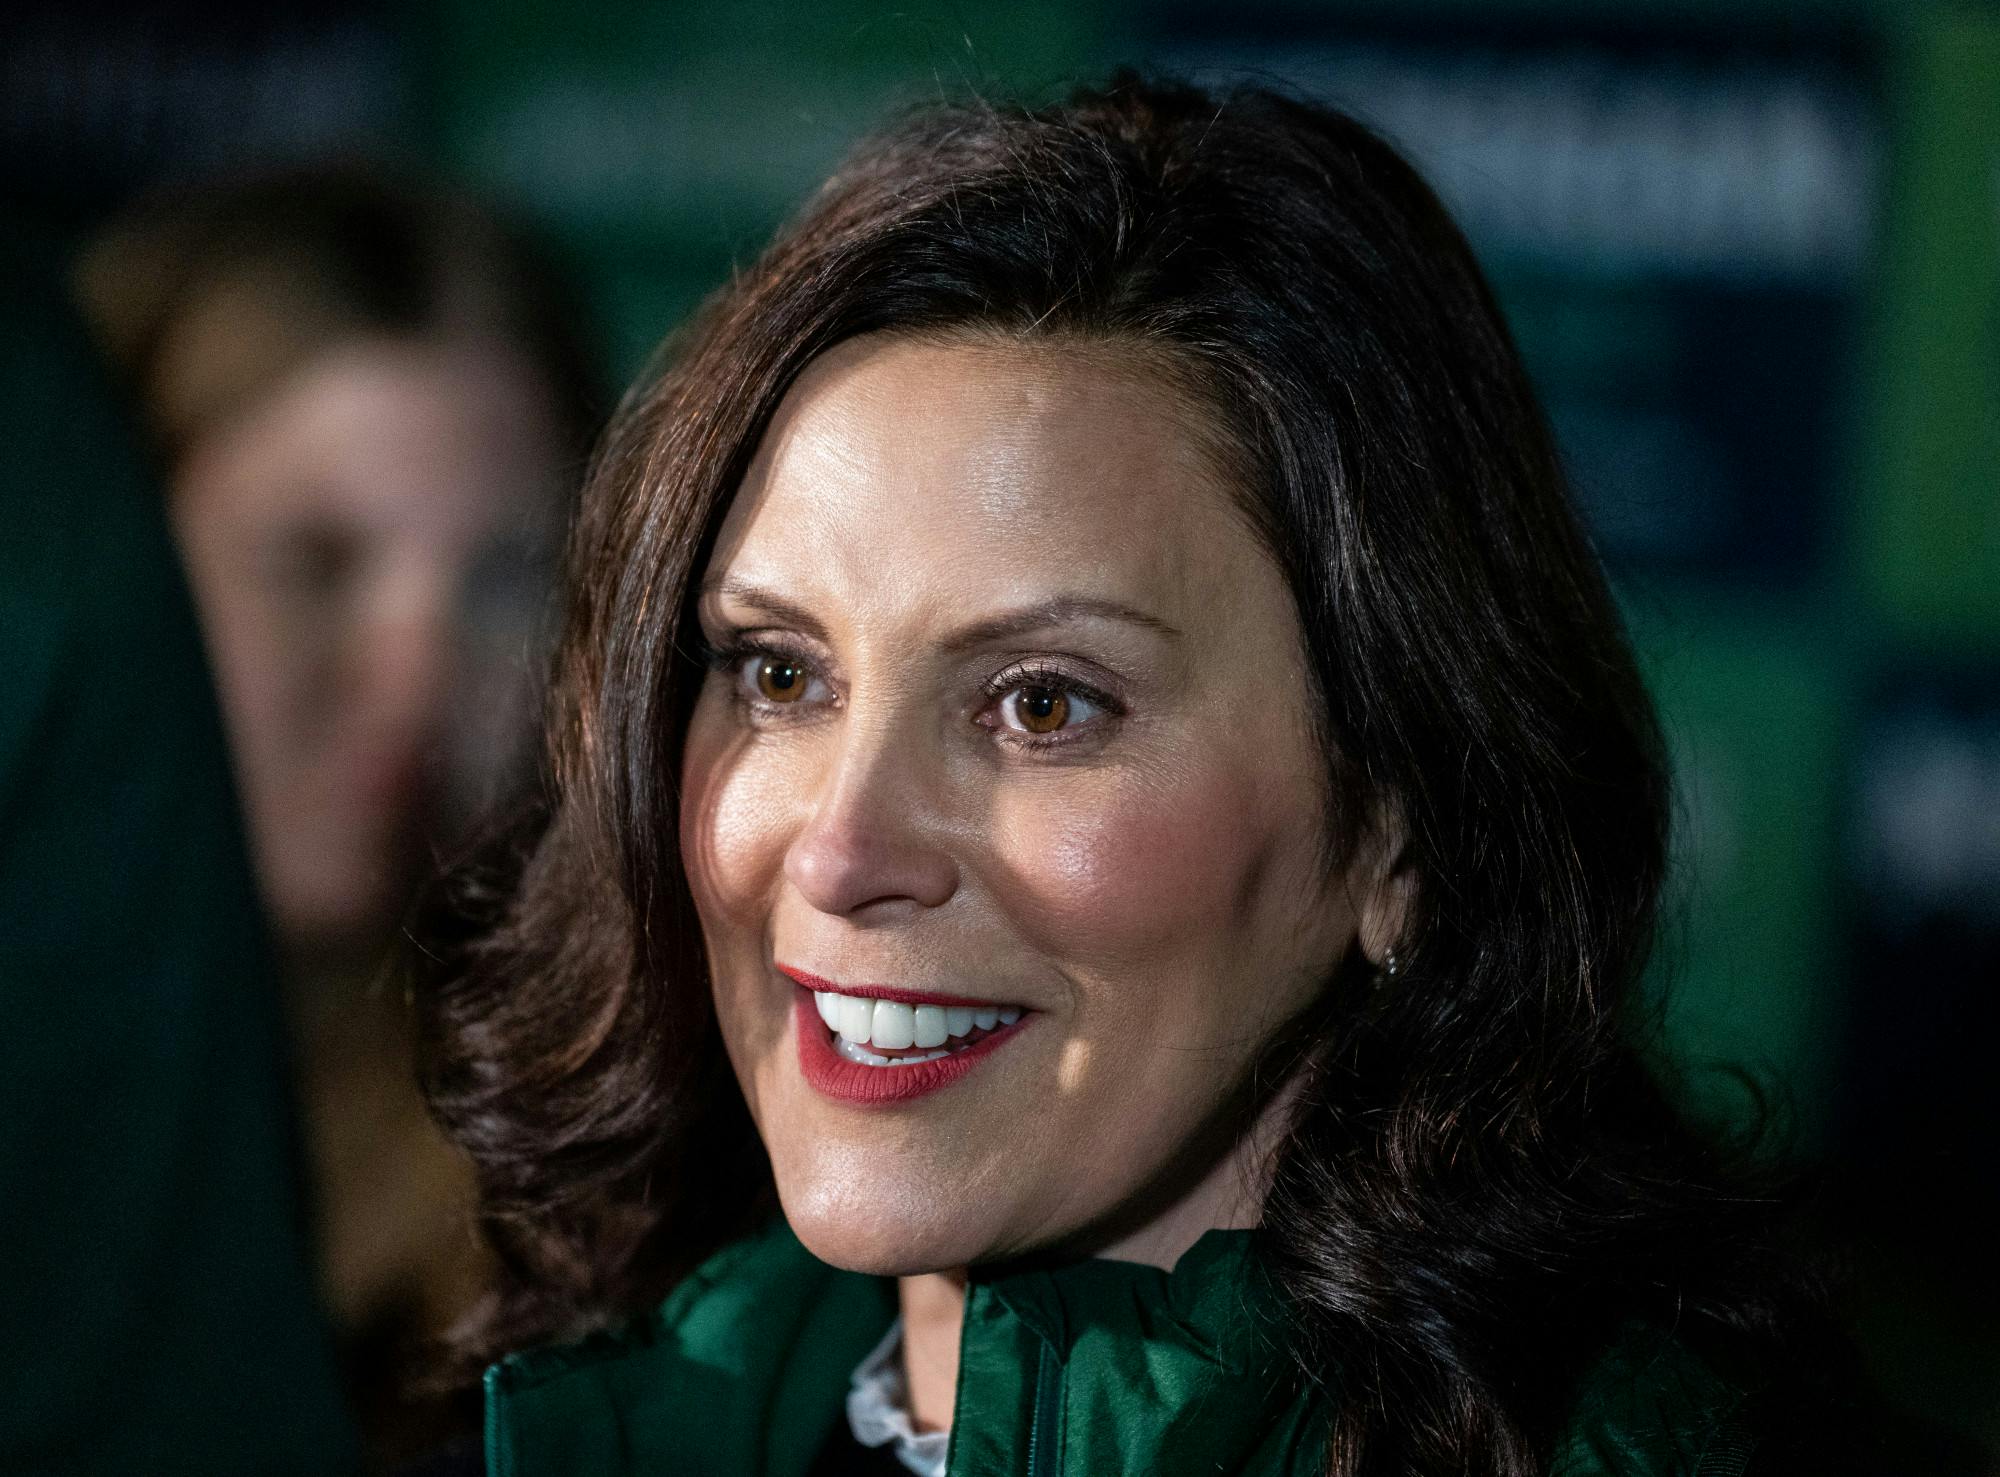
{"x":281,"y":685}
{"x":733,"y":819}
{"x":737,"y":808}
{"x":1133,"y":871}
{"x":274,"y":693}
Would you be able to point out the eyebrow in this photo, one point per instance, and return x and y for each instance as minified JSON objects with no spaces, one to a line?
{"x":729,"y":587}
{"x":1059,"y":610}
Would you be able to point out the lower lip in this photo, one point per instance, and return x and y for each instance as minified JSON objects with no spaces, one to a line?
{"x":855,"y":1082}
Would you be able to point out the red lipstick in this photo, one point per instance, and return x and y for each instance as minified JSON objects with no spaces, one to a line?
{"x":881,"y":992}
{"x":855,"y":1082}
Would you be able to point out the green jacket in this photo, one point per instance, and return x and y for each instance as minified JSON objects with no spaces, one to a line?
{"x":1093,"y":1369}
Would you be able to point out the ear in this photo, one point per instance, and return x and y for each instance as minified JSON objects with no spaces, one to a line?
{"x":1385,"y":885}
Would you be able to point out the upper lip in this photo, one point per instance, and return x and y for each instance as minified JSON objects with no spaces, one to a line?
{"x":885,"y":992}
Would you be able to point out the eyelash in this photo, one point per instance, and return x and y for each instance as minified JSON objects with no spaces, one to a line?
{"x":1029,"y":675}
{"x":728,"y":658}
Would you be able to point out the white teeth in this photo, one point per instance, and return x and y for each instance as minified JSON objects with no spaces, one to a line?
{"x":868,"y":1058}
{"x":929,"y":1026}
{"x":862,"y":1054}
{"x":889,"y":1024}
{"x":857,"y":1017}
{"x":895,"y":1025}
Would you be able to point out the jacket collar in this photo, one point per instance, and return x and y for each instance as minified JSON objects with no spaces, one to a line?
{"x":1091,"y":1366}
{"x":1108,"y":1366}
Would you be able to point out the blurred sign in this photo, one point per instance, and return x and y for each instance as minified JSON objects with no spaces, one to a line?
{"x":665,"y":142}
{"x":1927,"y":536}
{"x":1924,"y":839}
{"x":1754,"y":709}
{"x":97,"y":102}
{"x":1917,"y":1103}
{"x":1680,"y":223}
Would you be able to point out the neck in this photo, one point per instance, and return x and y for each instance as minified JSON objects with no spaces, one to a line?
{"x":1228,"y":1197}
{"x":933,"y":1307}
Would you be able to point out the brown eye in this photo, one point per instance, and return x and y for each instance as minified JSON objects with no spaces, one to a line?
{"x":1040,"y":709}
{"x":780,"y":679}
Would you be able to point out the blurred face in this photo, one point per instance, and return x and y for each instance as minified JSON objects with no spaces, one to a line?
{"x":369,"y":548}
{"x":1000,"y":802}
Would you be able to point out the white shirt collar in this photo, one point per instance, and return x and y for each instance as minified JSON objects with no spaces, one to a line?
{"x":878,"y":1409}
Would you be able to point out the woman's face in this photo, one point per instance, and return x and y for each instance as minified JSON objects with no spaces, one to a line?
{"x":370,"y":549}
{"x":1008,"y":709}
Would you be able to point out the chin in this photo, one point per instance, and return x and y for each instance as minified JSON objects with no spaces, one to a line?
{"x":886,"y":1228}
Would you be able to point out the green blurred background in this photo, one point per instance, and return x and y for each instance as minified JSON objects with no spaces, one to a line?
{"x":1752,"y":255}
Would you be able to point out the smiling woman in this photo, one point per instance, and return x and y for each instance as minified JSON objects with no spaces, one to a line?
{"x":1105,"y":833}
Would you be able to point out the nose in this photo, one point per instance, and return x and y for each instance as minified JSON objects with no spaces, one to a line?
{"x":873,"y":845}
{"x":405,"y":655}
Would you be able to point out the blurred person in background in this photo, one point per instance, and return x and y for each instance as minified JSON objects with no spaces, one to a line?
{"x":371,"y":405}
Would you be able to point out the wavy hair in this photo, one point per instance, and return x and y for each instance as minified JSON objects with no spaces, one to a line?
{"x":1483,"y":1178}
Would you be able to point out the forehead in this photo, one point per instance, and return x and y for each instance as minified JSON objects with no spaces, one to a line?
{"x":389,"y":435}
{"x":930,"y":474}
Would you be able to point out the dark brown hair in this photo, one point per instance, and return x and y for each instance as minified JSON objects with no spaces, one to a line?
{"x":207,"y":299}
{"x":1484,"y":1180}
